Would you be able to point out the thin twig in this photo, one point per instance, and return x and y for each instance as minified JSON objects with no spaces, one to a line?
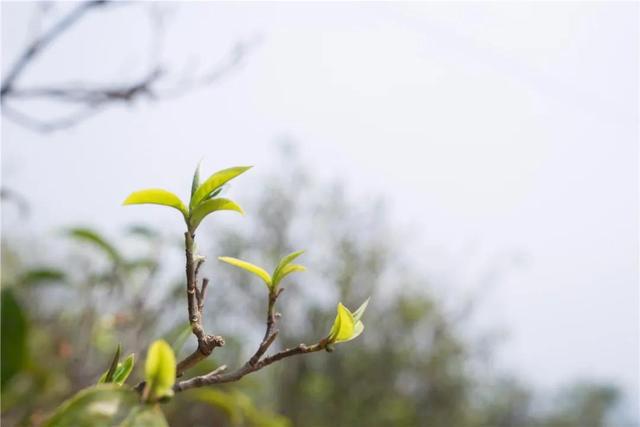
{"x":37,"y":46}
{"x":270,"y":333}
{"x":219,"y":378}
{"x":93,"y":96}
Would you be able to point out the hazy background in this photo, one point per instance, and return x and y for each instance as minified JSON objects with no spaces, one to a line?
{"x":502,"y":135}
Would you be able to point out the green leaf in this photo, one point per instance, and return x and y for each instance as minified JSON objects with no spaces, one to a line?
{"x":108,"y":376}
{"x":14,"y":329}
{"x":146,"y":416}
{"x":261,"y":273}
{"x":360,"y":311}
{"x":121,"y":372}
{"x":104,"y":405}
{"x":347,"y":325}
{"x":208,"y":206}
{"x":283,"y":262}
{"x":343,"y":326}
{"x":90,"y":236}
{"x":39,"y":276}
{"x":124,"y":369}
{"x":160,"y":371}
{"x":195,"y":183}
{"x":286,"y":270}
{"x":215,"y":181}
{"x":156,"y":196}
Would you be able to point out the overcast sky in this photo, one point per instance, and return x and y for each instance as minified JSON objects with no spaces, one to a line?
{"x":509,"y":128}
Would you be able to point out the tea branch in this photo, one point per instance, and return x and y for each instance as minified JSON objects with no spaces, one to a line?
{"x":218,"y":376}
{"x":195,"y":304}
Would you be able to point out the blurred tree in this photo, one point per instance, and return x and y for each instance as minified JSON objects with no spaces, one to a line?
{"x":412,"y":367}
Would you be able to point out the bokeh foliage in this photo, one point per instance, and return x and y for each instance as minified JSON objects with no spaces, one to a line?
{"x":413,"y":366}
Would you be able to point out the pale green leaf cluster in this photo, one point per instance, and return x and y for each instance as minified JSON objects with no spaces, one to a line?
{"x":160,"y":371}
{"x":202,"y":202}
{"x":347,"y":325}
{"x":104,"y":405}
{"x":118,"y":371}
{"x":283,"y":269}
{"x":110,"y":404}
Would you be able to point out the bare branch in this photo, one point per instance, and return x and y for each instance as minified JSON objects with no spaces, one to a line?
{"x":219,"y":378}
{"x":94,"y":98}
{"x":195,"y":305}
{"x":40,"y":43}
{"x":270,"y":333}
{"x":39,"y":125}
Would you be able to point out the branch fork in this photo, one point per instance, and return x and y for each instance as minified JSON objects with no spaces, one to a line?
{"x":207,"y":343}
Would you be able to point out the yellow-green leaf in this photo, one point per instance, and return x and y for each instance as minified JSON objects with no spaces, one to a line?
{"x":156,"y":196}
{"x":360,"y":311}
{"x":212,"y":205}
{"x":343,"y":326}
{"x":215,"y":181}
{"x":260,"y":272}
{"x":283,"y":262}
{"x":285,"y":271}
{"x":160,"y":370}
{"x":358,"y":328}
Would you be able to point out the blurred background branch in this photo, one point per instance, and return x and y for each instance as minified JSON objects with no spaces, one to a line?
{"x":87,"y":99}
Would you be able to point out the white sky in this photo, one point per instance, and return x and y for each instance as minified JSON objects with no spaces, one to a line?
{"x":510,"y":125}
